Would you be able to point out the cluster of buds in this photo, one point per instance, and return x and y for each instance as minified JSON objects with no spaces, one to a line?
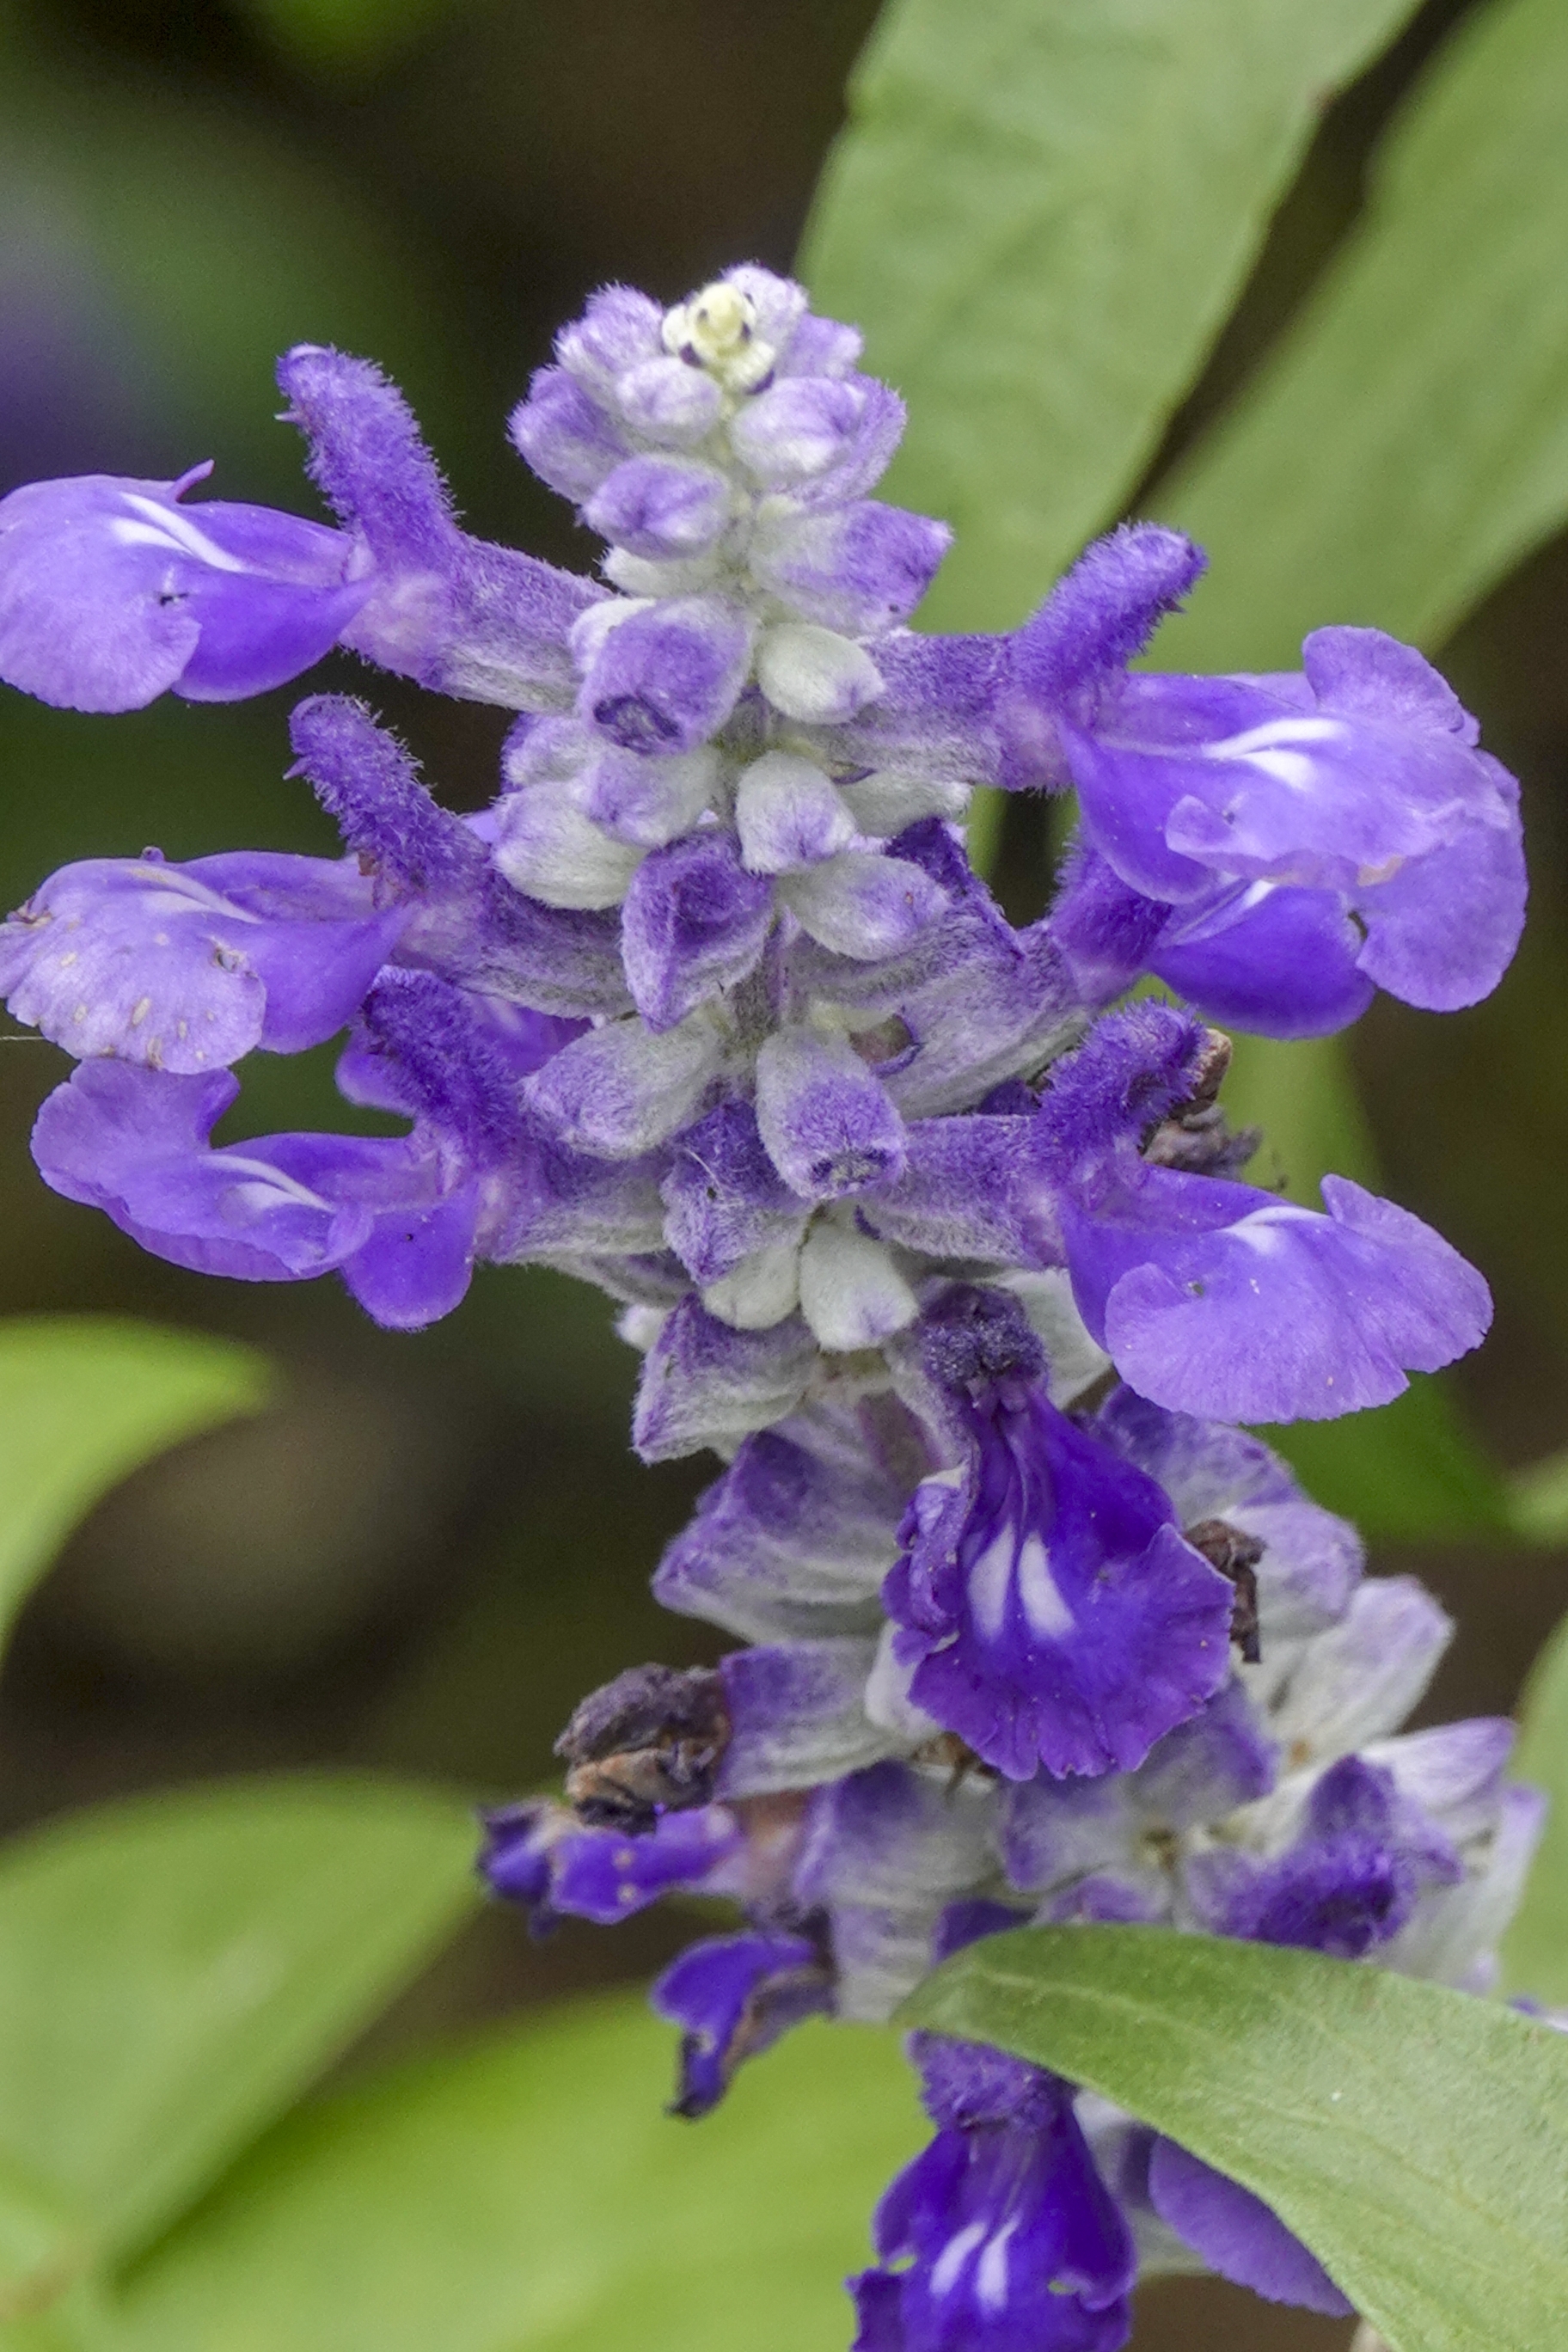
{"x":942,"y":1251}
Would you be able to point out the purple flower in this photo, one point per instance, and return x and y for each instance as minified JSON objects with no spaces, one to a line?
{"x":1051,"y":1612}
{"x":1304,"y":838}
{"x":733,"y":1995}
{"x":400,"y":1219}
{"x":538,"y":1856}
{"x":185,"y":968}
{"x":285,"y":1208}
{"x":111,"y":592}
{"x":458,"y":613}
{"x":1215,"y":1299}
{"x":1004,"y":2236}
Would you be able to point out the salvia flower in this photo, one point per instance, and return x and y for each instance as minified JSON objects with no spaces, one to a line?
{"x":946,"y":1256}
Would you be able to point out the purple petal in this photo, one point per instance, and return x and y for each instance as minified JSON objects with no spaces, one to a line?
{"x":1311,"y":1559}
{"x":694,"y":923}
{"x":1052,"y":1613}
{"x":133,"y":1142}
{"x":1365,"y":674}
{"x":734,"y":1996}
{"x":1279,"y":960}
{"x":605,"y":1875}
{"x":111,"y":592}
{"x":417,"y":1263}
{"x":1237,"y":2233}
{"x":669,"y":675}
{"x":1214,"y":1299}
{"x":186,"y":968}
{"x":1007,"y":2238}
{"x":1106,"y":929}
{"x":1442,"y":931}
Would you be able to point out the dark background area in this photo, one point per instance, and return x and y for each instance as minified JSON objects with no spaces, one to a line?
{"x":426,"y":1555}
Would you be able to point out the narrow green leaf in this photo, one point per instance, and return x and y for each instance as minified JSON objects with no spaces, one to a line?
{"x":528,"y":2195}
{"x":84,"y":1400}
{"x":1535,"y":1952}
{"x":1409,"y":442}
{"x":174,"y":1970}
{"x":1041,"y":213}
{"x":1416,"y":2138}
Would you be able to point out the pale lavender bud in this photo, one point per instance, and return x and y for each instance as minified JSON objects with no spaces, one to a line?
{"x":565,"y":435}
{"x":664,"y":400}
{"x":788,"y":814}
{"x":662,"y":507}
{"x":619,"y":329}
{"x":695,"y":924}
{"x":860,"y":568}
{"x":669,"y":676}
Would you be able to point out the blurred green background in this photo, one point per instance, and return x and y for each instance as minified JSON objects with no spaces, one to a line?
{"x":439,"y":1542}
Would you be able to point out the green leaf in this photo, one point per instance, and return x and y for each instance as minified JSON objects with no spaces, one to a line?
{"x":1416,"y":2138}
{"x":45,"y":2248}
{"x":1409,"y":442}
{"x":1041,"y":213}
{"x":84,"y":1400}
{"x":174,"y":1970}
{"x":1535,"y":1950}
{"x":529,"y":2196}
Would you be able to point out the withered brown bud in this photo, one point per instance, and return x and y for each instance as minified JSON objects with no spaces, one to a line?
{"x":1236,"y":1556}
{"x":1208,"y":1076}
{"x":1195,"y":1136}
{"x":649,"y":1742}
